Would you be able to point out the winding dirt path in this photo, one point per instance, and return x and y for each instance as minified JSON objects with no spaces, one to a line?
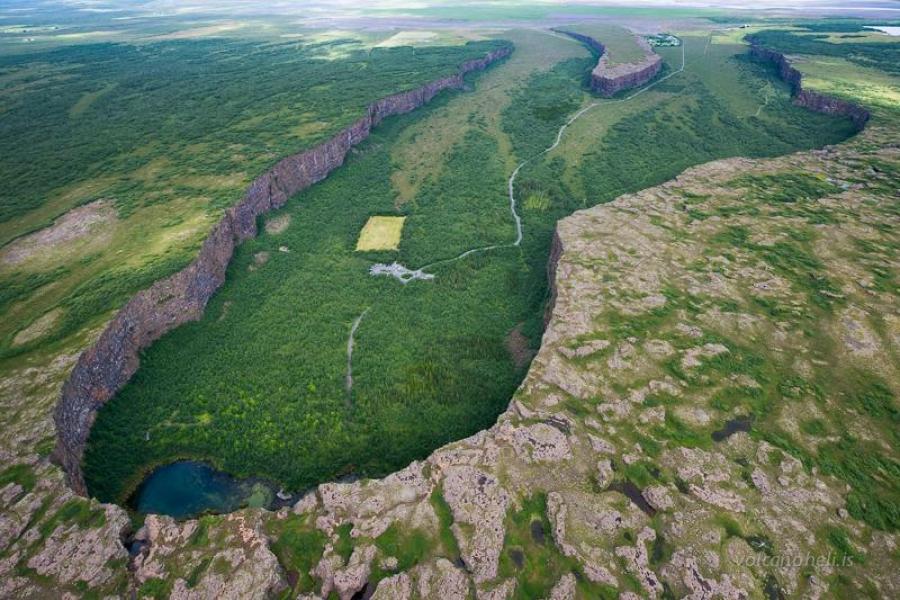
{"x":350,"y":342}
{"x":405,"y":275}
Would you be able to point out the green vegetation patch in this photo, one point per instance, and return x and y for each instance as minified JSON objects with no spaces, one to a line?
{"x":76,"y":511}
{"x":445,"y":520}
{"x":409,"y":546}
{"x":21,"y":474}
{"x":885,"y":57}
{"x":298,"y":545}
{"x":170,"y":133}
{"x":698,"y":125}
{"x":344,"y":545}
{"x":531,"y":557}
{"x":156,"y":588}
{"x":241,"y":99}
{"x":543,"y":103}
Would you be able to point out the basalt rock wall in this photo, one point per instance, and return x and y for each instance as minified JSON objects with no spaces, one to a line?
{"x":587,"y":40}
{"x":556,"y":251}
{"x":606,"y":79}
{"x":105,"y":367}
{"x":806,"y":98}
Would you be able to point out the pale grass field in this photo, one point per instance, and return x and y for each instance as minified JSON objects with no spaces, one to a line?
{"x":839,"y":77}
{"x":380,"y":233}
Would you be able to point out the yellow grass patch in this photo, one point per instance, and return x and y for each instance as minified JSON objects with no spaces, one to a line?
{"x":197,"y":32}
{"x":409,"y":38}
{"x":38,"y":328}
{"x":381,"y":233}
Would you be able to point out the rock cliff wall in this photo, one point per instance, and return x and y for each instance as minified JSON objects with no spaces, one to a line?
{"x":556,"y":251}
{"x":607,"y":80}
{"x":806,"y":98}
{"x":585,"y":39}
{"x":104,"y":368}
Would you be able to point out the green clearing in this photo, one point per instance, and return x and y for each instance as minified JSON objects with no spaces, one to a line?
{"x":531,"y":557}
{"x":265,"y":367}
{"x":380,"y":233}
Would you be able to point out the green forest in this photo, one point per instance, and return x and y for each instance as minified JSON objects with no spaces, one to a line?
{"x":109,"y":109}
{"x":171,"y":129}
{"x":257,"y":386}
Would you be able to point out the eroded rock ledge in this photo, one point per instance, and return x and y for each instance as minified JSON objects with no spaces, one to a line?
{"x":607,"y":80}
{"x":110,"y":362}
{"x":809,"y":99}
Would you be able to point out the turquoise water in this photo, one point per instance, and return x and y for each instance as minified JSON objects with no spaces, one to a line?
{"x":187,"y":489}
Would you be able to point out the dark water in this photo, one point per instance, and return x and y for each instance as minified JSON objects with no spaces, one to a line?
{"x":537,"y":531}
{"x":518,"y":557}
{"x":742,"y":423}
{"x":186,"y":489}
{"x":633,"y":493}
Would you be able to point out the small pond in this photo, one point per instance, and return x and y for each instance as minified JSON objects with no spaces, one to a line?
{"x":187,"y":489}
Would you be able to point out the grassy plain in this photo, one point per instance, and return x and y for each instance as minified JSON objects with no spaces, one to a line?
{"x":431,"y":359}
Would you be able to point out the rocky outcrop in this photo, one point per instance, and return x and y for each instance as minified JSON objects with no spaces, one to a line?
{"x":234,"y":560}
{"x":806,"y":98}
{"x":609,"y":79}
{"x":106,"y":366}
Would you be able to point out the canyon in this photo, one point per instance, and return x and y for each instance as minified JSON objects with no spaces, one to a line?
{"x":807,"y":98}
{"x":609,"y":435}
{"x":110,"y":362}
{"x":570,"y":435}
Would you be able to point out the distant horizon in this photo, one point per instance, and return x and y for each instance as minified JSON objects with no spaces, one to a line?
{"x":346,"y":8}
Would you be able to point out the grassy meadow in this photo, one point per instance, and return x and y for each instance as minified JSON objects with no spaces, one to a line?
{"x":257,"y":386}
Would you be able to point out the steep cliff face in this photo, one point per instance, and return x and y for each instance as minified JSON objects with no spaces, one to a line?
{"x":107,"y":365}
{"x":585,"y":39}
{"x":556,"y":251}
{"x":608,"y":79}
{"x":806,"y":98}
